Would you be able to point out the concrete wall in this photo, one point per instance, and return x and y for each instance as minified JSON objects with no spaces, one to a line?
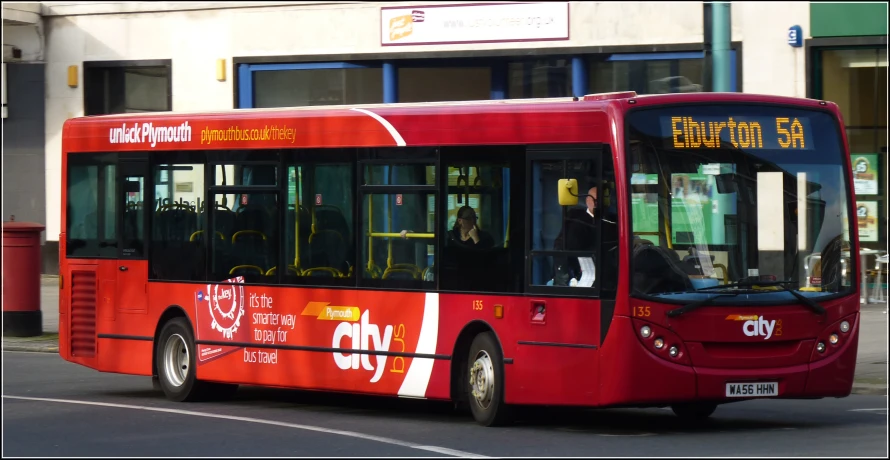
{"x":195,"y":38}
{"x":769,"y":64}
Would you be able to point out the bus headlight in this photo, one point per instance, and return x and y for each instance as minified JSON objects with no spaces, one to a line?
{"x":659,"y":343}
{"x":674,"y":351}
{"x":820,"y":347}
{"x":833,"y":339}
{"x":645,"y":331}
{"x":845,"y":327}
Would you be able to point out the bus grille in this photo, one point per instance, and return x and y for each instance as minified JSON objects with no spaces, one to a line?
{"x":83,"y":313}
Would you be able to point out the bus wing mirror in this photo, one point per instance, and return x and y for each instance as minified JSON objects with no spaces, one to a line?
{"x":568,"y":192}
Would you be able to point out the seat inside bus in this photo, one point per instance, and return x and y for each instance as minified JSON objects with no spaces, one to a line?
{"x":656,"y":269}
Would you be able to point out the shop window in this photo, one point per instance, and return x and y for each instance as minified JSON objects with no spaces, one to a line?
{"x":540,"y":78}
{"x":646,"y":76}
{"x":433,"y":84}
{"x":127,"y":87}
{"x":856,"y":80}
{"x":308,"y":86}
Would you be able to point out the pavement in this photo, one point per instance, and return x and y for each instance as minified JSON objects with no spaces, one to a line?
{"x":871,"y":364}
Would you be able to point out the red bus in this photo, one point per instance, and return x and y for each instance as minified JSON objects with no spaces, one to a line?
{"x":682,"y":250}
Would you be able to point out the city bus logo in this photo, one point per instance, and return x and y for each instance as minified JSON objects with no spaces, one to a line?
{"x":754,"y":325}
{"x":364,"y":335}
{"x":225,"y":304}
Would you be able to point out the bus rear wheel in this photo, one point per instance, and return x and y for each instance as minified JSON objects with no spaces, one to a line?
{"x":175,"y":356}
{"x":694,"y":411}
{"x":485,"y":383}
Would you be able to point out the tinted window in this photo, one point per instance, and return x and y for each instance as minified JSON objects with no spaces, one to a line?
{"x":91,"y":214}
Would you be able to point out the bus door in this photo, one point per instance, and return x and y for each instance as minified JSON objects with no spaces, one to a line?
{"x":572,"y":269}
{"x":132,"y":204}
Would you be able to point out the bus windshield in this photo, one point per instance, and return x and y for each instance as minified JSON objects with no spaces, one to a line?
{"x":726,"y":195}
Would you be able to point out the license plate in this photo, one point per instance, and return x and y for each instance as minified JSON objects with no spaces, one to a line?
{"x":752,"y":389}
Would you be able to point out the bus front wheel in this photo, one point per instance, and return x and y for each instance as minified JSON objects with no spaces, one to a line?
{"x":176,"y":366}
{"x":694,"y":411}
{"x":485,"y":389}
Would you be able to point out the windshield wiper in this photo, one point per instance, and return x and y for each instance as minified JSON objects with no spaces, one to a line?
{"x":751,"y":282}
{"x":699,"y":303}
{"x":747,"y":283}
{"x":803,"y":299}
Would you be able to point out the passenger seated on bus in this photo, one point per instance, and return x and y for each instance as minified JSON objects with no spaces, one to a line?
{"x":467,"y":233}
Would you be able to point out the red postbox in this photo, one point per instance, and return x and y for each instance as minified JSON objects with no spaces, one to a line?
{"x":21,"y":279}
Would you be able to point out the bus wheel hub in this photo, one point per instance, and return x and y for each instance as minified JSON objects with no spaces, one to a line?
{"x":482,"y":379}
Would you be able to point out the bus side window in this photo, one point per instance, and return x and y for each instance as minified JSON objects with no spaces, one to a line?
{"x":91,"y":218}
{"x":390,"y":257}
{"x":177,"y":252}
{"x":575,"y":246}
{"x":319,"y":232}
{"x":477,"y":253}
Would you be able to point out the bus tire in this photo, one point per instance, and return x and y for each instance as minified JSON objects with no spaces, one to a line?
{"x":694,"y":411}
{"x":176,"y":366}
{"x":485,"y":382}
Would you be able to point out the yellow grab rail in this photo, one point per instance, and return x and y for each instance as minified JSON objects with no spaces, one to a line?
{"x":399,"y":235}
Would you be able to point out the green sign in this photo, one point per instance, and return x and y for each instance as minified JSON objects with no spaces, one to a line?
{"x":865,"y":173}
{"x":844,"y":19}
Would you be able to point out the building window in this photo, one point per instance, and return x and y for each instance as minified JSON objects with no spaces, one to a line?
{"x":540,"y":78}
{"x":434,"y":84}
{"x":297,"y":85}
{"x":127,"y":87}
{"x":856,"y":80}
{"x":647,"y":74}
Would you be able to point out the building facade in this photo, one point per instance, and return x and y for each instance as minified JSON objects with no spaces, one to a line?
{"x":98,"y":58}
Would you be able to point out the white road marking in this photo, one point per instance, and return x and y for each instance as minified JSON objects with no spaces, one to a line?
{"x":386,"y":124}
{"x":866,"y":410}
{"x":351,"y":434}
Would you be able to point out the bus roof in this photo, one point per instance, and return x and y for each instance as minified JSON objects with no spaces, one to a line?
{"x":486,"y":122}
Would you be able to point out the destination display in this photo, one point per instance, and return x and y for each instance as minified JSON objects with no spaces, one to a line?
{"x":709,"y":132}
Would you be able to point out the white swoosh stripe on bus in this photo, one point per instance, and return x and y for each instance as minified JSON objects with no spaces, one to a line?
{"x":389,"y":127}
{"x":351,"y":434}
{"x":418,"y":376}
